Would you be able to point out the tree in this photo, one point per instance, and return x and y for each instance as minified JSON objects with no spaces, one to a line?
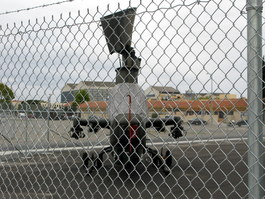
{"x":80,"y":97}
{"x":31,"y":105}
{"x":6,"y":94}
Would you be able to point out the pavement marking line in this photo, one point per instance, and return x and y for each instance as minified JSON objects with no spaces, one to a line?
{"x":3,"y":153}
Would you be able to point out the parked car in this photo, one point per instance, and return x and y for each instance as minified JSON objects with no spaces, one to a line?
{"x":93,"y":117}
{"x":30,"y":116}
{"x":242,"y":122}
{"x":57,"y":117}
{"x":231,"y":123}
{"x":22,"y":115}
{"x":197,"y":121}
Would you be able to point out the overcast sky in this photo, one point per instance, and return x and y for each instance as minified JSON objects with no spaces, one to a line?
{"x":193,"y":46}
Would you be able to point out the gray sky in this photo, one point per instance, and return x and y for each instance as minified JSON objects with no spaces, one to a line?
{"x":197,"y":46}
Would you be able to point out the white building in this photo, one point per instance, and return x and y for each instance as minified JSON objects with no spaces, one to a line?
{"x":162,"y":93}
{"x":98,"y":91}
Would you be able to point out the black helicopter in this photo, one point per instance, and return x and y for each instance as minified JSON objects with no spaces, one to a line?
{"x":127,"y":107}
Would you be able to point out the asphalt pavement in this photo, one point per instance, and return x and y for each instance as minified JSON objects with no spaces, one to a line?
{"x":33,"y":134}
{"x":202,"y":170}
{"x":40,"y":160}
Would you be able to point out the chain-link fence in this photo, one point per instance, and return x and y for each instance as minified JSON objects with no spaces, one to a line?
{"x":155,"y":99}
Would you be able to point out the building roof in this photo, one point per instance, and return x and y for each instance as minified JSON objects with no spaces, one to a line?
{"x":225,"y":104}
{"x":102,"y":105}
{"x":196,"y":105}
{"x":99,"y":84}
{"x":165,"y":89}
{"x":68,"y":87}
{"x":71,"y":85}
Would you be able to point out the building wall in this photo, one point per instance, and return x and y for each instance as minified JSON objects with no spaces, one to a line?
{"x":99,"y":94}
{"x":163,"y":96}
{"x":16,"y":103}
{"x":98,"y":91}
{"x":53,"y":105}
{"x":227,"y":96}
{"x":186,"y":115}
{"x":151,"y":93}
{"x":67,"y":96}
{"x":86,"y":114}
{"x":68,"y":87}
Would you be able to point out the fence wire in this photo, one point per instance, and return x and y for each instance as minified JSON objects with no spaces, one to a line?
{"x":149,"y":102}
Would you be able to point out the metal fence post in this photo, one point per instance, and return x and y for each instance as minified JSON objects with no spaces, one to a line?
{"x":26,"y":136}
{"x":254,"y":60}
{"x":48,"y":122}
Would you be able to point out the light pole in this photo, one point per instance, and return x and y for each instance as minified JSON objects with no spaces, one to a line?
{"x":48,"y":122}
{"x":27,"y":121}
{"x":211,"y":96}
{"x":255,"y":127}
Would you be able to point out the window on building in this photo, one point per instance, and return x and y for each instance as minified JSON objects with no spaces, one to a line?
{"x":189,"y":112}
{"x":230,"y":113}
{"x":150,"y":95}
{"x":221,"y":114}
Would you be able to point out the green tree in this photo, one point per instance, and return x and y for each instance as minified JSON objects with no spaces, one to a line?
{"x":31,"y":105}
{"x":6,"y":94}
{"x":80,"y":97}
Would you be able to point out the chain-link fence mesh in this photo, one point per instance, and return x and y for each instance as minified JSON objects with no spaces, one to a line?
{"x":149,"y":102}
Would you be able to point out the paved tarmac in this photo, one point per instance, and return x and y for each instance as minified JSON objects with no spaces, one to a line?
{"x":202,"y":170}
{"x":22,"y":134}
{"x":209,"y":162}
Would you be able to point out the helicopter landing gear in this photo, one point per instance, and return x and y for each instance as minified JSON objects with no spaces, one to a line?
{"x":163,"y":161}
{"x":167,"y":157}
{"x":94,"y":161}
{"x":89,"y":161}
